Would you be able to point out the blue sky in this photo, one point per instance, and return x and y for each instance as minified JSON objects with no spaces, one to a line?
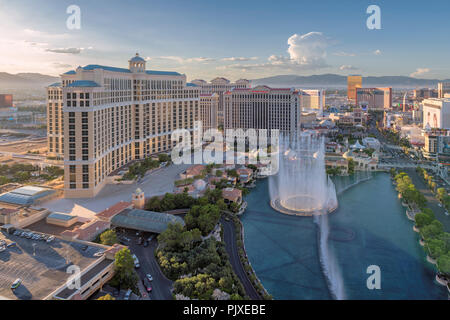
{"x":235,"y":39}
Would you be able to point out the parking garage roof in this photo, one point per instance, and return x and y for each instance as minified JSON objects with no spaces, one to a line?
{"x":143,"y":220}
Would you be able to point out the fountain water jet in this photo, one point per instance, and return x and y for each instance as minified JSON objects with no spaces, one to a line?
{"x":302,"y":186}
{"x":328,"y":261}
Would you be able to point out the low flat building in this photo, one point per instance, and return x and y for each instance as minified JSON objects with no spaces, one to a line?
{"x":44,"y":268}
{"x":232,"y":195}
{"x":27,"y":195}
{"x":61,"y":219}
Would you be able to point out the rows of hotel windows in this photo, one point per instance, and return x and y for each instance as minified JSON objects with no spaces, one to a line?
{"x":260,"y":111}
{"x":83,"y":98}
{"x":112,"y":135}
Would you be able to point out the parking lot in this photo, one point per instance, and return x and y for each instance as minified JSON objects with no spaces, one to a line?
{"x":41,"y":265}
{"x":161,"y":286}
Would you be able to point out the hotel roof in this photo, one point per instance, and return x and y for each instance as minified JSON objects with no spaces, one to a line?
{"x":25,"y":195}
{"x":110,"y":212}
{"x":91,"y":67}
{"x":61,"y":216}
{"x":84,"y":83}
{"x":145,"y":220}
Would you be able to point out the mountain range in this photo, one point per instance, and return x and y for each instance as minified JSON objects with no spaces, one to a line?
{"x":338,"y":81}
{"x":40,"y":81}
{"x":25,"y":80}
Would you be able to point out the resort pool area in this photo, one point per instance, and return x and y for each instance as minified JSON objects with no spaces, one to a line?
{"x":369,"y":228}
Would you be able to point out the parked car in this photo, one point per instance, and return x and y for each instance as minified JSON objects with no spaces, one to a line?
{"x":136,"y":261}
{"x":146,"y":243}
{"x":140,"y":240}
{"x":127,"y":295}
{"x":16,"y":284}
{"x":50,"y":239}
{"x":11,"y":244}
{"x":147,"y":285}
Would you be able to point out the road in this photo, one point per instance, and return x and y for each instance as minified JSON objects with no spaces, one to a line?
{"x":161,"y":286}
{"x":229,"y":235}
{"x":432,"y":203}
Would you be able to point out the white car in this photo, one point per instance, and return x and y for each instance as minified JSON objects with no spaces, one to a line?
{"x":136,"y":261}
{"x":149,"y":277}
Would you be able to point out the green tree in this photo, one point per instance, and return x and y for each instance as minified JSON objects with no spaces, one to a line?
{"x":175,"y":238}
{"x":3,"y":180}
{"x":443,"y":264}
{"x":154,"y":204}
{"x":125,"y":276}
{"x":200,"y":286}
{"x":432,"y":231}
{"x":423,"y":219}
{"x":351,"y":166}
{"x":163,"y":157}
{"x":441,"y":193}
{"x":107,"y":297}
{"x":435,"y":248}
{"x":108,"y":238}
{"x":204,"y":218}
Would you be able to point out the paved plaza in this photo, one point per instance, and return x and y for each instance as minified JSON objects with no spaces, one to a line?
{"x":157,"y":182}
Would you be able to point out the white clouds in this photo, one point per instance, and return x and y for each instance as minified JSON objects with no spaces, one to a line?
{"x":67,"y":50}
{"x":346,"y":67}
{"x":377,"y":52}
{"x":419,"y":72}
{"x":60,"y":65}
{"x":344,"y":54}
{"x":308,"y":50}
{"x":200,"y":59}
{"x":182,"y":60}
{"x":36,"y":34}
{"x":240,"y":58}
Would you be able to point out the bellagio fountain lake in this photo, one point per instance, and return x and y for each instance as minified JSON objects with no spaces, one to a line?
{"x":309,"y":237}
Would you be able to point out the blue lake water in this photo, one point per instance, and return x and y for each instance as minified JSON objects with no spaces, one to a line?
{"x":369,"y":228}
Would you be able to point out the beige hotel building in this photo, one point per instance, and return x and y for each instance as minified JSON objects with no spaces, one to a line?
{"x":220,"y":86}
{"x":262,"y":107}
{"x":100,"y":118}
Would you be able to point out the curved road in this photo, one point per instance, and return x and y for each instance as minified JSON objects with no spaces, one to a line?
{"x":229,"y":235}
{"x":161,"y":286}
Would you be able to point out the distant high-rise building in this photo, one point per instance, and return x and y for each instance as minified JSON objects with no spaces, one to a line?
{"x":374,"y":98}
{"x":312,"y":100}
{"x":220,"y":85}
{"x":101,"y":118}
{"x":436,"y":113}
{"x":443,"y":88}
{"x":425,"y":93}
{"x":55,"y":121}
{"x":6,"y":100}
{"x":353,"y":82}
